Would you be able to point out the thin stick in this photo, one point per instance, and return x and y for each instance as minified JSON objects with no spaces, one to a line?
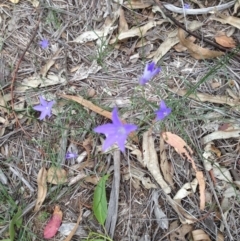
{"x":16,"y":70}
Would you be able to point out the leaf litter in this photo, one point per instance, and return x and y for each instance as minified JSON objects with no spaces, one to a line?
{"x":127,"y":29}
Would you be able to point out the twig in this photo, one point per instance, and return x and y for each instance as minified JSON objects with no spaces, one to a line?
{"x":16,"y":70}
{"x":163,"y":9}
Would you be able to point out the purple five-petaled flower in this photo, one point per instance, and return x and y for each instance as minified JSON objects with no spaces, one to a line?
{"x":163,"y":111}
{"x":117,"y":132}
{"x":149,"y":72}
{"x":44,"y":43}
{"x":186,"y":6}
{"x":45,"y":108}
{"x":70,"y":155}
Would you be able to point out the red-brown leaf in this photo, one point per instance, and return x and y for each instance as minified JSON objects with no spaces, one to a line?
{"x":53,"y":224}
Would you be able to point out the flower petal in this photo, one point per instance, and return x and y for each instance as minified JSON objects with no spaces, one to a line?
{"x":110,"y":140}
{"x":107,"y":129}
{"x":115,"y":119}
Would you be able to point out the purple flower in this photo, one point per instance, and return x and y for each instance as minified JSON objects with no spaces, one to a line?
{"x":70,"y":155}
{"x":149,"y":72}
{"x":45,"y":107}
{"x":44,"y":43}
{"x":186,"y":6}
{"x":117,"y":132}
{"x":163,"y":111}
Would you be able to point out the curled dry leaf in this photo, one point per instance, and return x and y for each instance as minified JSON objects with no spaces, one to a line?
{"x":171,"y":41}
{"x":221,"y":135}
{"x":136,"y":4}
{"x":187,"y":189}
{"x":165,"y":166}
{"x":235,"y":22}
{"x":134,"y":32}
{"x":180,"y":48}
{"x":178,"y":232}
{"x":42,"y":188}
{"x":200,"y":235}
{"x":196,"y":51}
{"x":56,"y":175}
{"x":38,"y":81}
{"x":222,"y":99}
{"x":225,"y":41}
{"x":185,"y":151}
{"x":123,"y":25}
{"x":54,"y":223}
{"x":150,"y":160}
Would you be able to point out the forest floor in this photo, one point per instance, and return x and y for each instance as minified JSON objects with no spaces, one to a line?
{"x":178,"y":178}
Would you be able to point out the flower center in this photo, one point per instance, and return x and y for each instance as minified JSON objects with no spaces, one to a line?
{"x":121,"y":131}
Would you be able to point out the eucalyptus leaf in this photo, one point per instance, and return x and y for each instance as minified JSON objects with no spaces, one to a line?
{"x":100,"y":200}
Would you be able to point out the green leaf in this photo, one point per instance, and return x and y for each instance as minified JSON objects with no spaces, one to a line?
{"x":16,"y":221}
{"x":100,"y":201}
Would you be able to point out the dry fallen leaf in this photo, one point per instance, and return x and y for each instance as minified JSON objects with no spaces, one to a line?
{"x":185,"y":151}
{"x":225,"y":41}
{"x":178,"y":232}
{"x":54,"y":223}
{"x":221,"y":135}
{"x":123,"y":25}
{"x":134,"y":32}
{"x":223,"y":99}
{"x":37,"y":81}
{"x":186,"y":189}
{"x":171,"y":41}
{"x":56,"y":175}
{"x":150,"y":160}
{"x":200,"y":235}
{"x":196,"y":51}
{"x":49,"y":63}
{"x":84,"y":71}
{"x":42,"y":188}
{"x":235,"y":22}
{"x":165,"y":166}
{"x":180,"y":48}
{"x":136,"y":4}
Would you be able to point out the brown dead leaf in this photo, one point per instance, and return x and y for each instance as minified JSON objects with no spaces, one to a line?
{"x":223,"y":99}
{"x":56,"y":175}
{"x":225,"y":41}
{"x":123,"y":25}
{"x":42,"y":188}
{"x":150,"y":160}
{"x":180,"y":48}
{"x":165,"y":166}
{"x":178,"y":232}
{"x":134,"y":32}
{"x":171,"y":41}
{"x":200,"y":235}
{"x":54,"y":223}
{"x":196,"y":51}
{"x":185,"y":151}
{"x":136,"y":4}
{"x":186,"y":189}
{"x":235,"y":22}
